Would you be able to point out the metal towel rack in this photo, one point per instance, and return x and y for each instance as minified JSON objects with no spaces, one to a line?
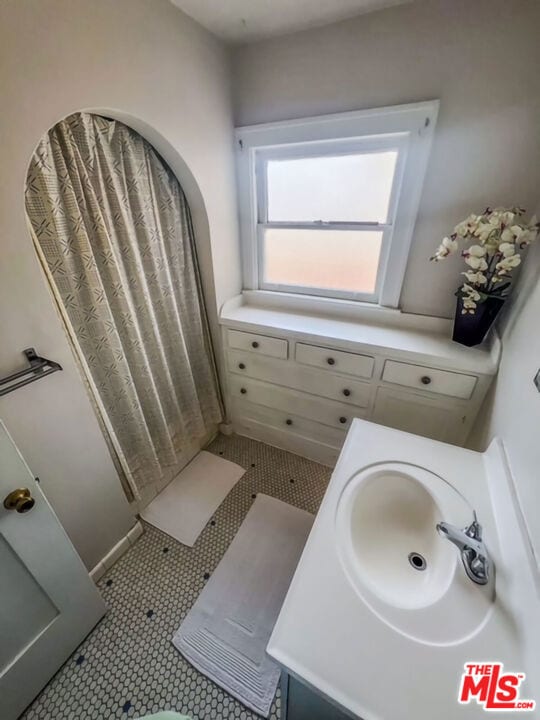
{"x":39,"y":368}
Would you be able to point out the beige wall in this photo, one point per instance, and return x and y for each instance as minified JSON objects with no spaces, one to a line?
{"x":146,"y":63}
{"x":480,"y":57}
{"x":512,"y":409}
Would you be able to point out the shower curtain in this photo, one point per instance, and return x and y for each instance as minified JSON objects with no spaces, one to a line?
{"x":113,"y":230}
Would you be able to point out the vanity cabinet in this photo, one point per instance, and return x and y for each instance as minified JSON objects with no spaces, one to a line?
{"x":301,"y":703}
{"x":298,"y":382}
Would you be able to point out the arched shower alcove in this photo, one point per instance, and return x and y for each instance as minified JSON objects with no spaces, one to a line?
{"x":193,"y":193}
{"x":120,"y":227}
{"x":194,"y":196}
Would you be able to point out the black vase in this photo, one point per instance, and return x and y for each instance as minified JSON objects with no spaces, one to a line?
{"x":470,"y":329}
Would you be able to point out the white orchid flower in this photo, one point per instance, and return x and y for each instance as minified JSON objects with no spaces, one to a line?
{"x":507,"y":216}
{"x":507,"y":249}
{"x":469,"y":306}
{"x":475,"y":262}
{"x":525,"y":234}
{"x":467,"y":227}
{"x":507,"y":235}
{"x":495,"y":216}
{"x":447,"y":247}
{"x":498,"y":234}
{"x":476,"y":251}
{"x":528,"y":236}
{"x":450,"y":244}
{"x":519,"y":232}
{"x":484,"y":230}
{"x":533,"y":234}
{"x":496,"y":220}
{"x":508,"y":263}
{"x":472,"y":294}
{"x":476,"y":278}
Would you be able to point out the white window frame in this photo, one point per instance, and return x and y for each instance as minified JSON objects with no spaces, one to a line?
{"x":407,"y":128}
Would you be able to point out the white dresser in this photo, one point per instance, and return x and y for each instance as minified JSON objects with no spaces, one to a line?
{"x":296,"y":381}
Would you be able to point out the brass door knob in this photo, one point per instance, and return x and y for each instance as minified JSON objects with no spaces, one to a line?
{"x":20,"y":500}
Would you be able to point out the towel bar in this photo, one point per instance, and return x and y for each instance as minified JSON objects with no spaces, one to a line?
{"x":39,"y":367}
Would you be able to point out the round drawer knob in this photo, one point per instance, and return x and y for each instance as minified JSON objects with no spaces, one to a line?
{"x":330,"y":361}
{"x":346,"y":392}
{"x":243,"y":391}
{"x":288,"y":421}
{"x":342,"y":420}
{"x":254,"y":344}
{"x":425,"y":379}
{"x":241,"y":366}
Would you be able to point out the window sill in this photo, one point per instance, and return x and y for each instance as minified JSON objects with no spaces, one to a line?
{"x":348,"y":310}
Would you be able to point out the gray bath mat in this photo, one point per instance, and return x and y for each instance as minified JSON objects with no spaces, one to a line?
{"x":184,"y":507}
{"x":226,"y":632}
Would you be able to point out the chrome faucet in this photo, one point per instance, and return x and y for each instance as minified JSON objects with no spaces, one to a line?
{"x":473,"y":550}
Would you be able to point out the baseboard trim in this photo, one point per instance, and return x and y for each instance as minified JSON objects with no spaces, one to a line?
{"x":226,"y":428}
{"x":116,"y":552}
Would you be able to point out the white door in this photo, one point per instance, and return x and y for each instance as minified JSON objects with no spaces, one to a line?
{"x":48,"y":603}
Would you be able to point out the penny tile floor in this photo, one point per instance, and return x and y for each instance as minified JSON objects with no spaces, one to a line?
{"x":127,"y":667}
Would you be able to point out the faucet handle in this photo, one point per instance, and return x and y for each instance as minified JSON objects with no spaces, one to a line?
{"x":473,"y":551}
{"x":474,"y":530}
{"x":462,"y":538}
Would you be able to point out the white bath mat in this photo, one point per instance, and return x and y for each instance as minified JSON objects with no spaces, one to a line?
{"x":184,"y":507}
{"x":226,"y":632}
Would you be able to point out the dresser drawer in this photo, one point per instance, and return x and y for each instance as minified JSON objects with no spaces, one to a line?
{"x":245,"y":411}
{"x":299,"y":377}
{"x":336,"y":360}
{"x":327,"y":412}
{"x":274,"y":347}
{"x":442,"y":382}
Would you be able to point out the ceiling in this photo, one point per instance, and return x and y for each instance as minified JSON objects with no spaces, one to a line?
{"x":240,"y":21}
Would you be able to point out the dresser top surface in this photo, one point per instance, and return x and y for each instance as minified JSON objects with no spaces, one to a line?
{"x":407,"y":343}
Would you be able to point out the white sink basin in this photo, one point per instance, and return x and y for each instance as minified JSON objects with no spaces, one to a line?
{"x":401,"y":567}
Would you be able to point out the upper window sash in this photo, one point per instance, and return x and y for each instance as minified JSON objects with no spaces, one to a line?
{"x":410,"y":127}
{"x":350,"y":146}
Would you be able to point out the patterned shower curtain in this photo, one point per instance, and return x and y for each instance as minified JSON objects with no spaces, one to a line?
{"x":114,"y":232}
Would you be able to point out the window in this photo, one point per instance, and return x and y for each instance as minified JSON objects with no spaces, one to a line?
{"x":328,"y":204}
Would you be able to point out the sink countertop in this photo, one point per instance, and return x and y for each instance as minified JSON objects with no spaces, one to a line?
{"x":329,"y":638}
